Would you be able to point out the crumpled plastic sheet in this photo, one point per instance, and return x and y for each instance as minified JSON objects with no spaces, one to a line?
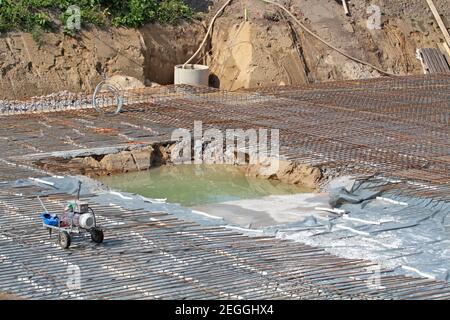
{"x":410,"y":235}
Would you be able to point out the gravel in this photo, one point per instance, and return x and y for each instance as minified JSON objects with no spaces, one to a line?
{"x":56,"y":101}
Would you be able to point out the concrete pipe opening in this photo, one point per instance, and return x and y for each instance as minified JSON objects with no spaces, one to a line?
{"x":193,"y":74}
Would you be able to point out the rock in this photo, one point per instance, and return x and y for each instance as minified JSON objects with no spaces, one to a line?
{"x":87,"y":163}
{"x":292,"y":173}
{"x":110,"y":163}
{"x":119,"y":162}
{"x":124,"y":161}
{"x":286,"y":172}
{"x":127,"y":161}
{"x":125,"y":82}
{"x":161,"y":155}
{"x":266,"y":169}
{"x":142,"y":158}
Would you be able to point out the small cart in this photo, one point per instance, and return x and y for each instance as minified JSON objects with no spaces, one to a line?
{"x":77,"y":218}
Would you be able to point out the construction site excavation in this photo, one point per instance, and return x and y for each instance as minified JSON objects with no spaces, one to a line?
{"x":288,"y":150}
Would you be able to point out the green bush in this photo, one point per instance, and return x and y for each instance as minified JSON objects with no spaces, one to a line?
{"x":39,"y":15}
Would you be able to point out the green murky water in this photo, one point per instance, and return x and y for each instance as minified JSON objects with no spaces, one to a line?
{"x":191,"y":185}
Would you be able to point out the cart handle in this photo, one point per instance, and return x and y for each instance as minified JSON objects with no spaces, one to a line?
{"x":79,"y":190}
{"x":43,"y":206}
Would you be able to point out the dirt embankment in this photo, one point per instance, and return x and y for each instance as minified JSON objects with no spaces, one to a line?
{"x":143,"y":158}
{"x":59,"y":62}
{"x":268,"y":49}
{"x":288,"y":172}
{"x":99,"y":164}
{"x":265,"y":49}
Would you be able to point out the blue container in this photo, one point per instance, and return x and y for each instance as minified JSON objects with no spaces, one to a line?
{"x":49,"y":220}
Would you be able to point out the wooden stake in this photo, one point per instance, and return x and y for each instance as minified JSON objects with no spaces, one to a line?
{"x":447,"y":49}
{"x":439,"y":21}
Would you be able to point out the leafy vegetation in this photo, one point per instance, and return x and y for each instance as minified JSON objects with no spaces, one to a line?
{"x":51,"y":15}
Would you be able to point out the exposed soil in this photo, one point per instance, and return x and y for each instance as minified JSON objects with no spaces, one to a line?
{"x":267,"y":49}
{"x":6,"y":296}
{"x":98,"y":164}
{"x":144,"y":158}
{"x":60,"y":62}
{"x":287,"y":172}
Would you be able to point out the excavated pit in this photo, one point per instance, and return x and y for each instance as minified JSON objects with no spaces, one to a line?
{"x":120,"y":168}
{"x":106,"y":163}
{"x":213,"y":188}
{"x":191,"y":185}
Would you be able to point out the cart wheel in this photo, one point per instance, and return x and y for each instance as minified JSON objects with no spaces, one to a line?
{"x":64,"y":240}
{"x":96,"y":235}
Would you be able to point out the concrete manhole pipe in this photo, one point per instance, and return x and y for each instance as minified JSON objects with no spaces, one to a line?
{"x":194,"y":74}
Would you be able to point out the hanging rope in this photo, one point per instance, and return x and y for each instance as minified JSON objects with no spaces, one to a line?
{"x":325,"y":42}
{"x":207,"y":33}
